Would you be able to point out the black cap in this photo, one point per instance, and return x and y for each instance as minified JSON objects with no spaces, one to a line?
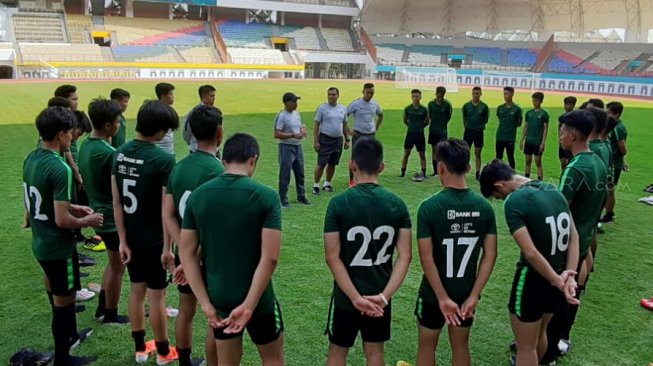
{"x":582,"y":120}
{"x":290,"y":97}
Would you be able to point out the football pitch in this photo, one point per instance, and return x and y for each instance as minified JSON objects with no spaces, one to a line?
{"x":611,"y":329}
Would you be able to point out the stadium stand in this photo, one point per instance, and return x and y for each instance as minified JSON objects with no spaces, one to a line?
{"x":427,"y":55}
{"x":485,"y":55}
{"x":338,"y":39}
{"x":78,"y":28}
{"x":390,"y":54}
{"x":61,"y":52}
{"x":522,"y":57}
{"x":257,"y":57}
{"x":344,"y":3}
{"x":200,"y":55}
{"x":239,"y":34}
{"x":610,"y":59}
{"x":38,"y":27}
{"x":305,"y":37}
{"x":134,"y":53}
{"x":145,"y":31}
{"x":569,"y":61}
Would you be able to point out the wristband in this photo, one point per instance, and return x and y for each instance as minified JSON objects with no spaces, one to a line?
{"x":385,"y":301}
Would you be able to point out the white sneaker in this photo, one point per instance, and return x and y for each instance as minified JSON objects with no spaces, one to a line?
{"x":564,"y":346}
{"x":84,"y":295}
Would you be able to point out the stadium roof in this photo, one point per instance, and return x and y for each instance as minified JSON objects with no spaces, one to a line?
{"x":578,"y":20}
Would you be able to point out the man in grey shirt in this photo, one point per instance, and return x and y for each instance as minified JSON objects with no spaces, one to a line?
{"x":330,"y":126}
{"x":207,"y":98}
{"x":365,"y":126}
{"x":166,"y":93}
{"x":289,"y":130}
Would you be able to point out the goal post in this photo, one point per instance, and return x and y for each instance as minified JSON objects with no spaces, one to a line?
{"x":427,"y":78}
{"x":520,"y":80}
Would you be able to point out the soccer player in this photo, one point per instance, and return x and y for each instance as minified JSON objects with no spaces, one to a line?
{"x":565,"y":156}
{"x":618,"y":138}
{"x":364,"y":109}
{"x":47,"y":183}
{"x":70,"y":92}
{"x":240,"y":244}
{"x":533,"y":140}
{"x":95,"y":163}
{"x":583,"y":183}
{"x":453,"y":226}
{"x":165,"y":93}
{"x":207,"y":98}
{"x":138,"y":182}
{"x":328,"y":131}
{"x":416,"y":117}
{"x":191,"y":172}
{"x":288,"y":128}
{"x":510,"y":117}
{"x":362,"y":228}
{"x":122,"y":97}
{"x":475,"y":116}
{"x":440,"y":111}
{"x":539,"y":220}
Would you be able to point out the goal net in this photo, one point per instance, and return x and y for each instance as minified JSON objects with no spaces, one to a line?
{"x":427,"y":78}
{"x":521,"y":80}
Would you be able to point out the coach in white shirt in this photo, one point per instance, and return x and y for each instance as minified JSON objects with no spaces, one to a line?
{"x":365,"y":125}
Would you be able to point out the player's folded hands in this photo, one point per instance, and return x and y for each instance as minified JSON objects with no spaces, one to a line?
{"x":451,"y":312}
{"x":469,"y":306}
{"x":368,"y":307}
{"x":236,"y":321}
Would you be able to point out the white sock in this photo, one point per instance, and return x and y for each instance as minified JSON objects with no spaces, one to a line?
{"x":327,"y":183}
{"x":316,"y":185}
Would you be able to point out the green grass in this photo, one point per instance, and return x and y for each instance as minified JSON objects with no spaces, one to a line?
{"x":612,"y":328}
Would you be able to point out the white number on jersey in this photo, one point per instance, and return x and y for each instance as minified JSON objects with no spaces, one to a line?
{"x":449,"y":243}
{"x":560,"y":232}
{"x":382,"y":257}
{"x":133,"y":205}
{"x":182,"y":203}
{"x":38,"y":200}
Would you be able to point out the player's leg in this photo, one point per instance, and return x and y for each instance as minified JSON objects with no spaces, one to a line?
{"x":510,"y":151}
{"x":298,"y":171}
{"x":459,"y":340}
{"x":111,"y":282}
{"x":156,"y":283}
{"x":272,"y":353}
{"x":498,"y":149}
{"x":374,"y":333}
{"x":408,"y":146}
{"x":337,"y":356}
{"x":330,"y":172}
{"x":374,"y":353}
{"x":184,"y":326}
{"x":333,"y":161}
{"x":528,"y":160}
{"x":420,"y":145}
{"x":540,"y":167}
{"x":230,"y":351}
{"x":612,"y":197}
{"x":527,"y":335}
{"x":434,"y":163}
{"x":136,"y":311}
{"x":266,"y":332}
{"x":427,"y":343}
{"x":477,"y":155}
{"x":317,"y":175}
{"x":542,"y":343}
{"x":210,"y":348}
{"x":285,"y":166}
{"x":342,"y":328}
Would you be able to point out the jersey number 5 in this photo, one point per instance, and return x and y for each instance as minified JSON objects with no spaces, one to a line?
{"x":449,"y":243}
{"x":133,"y":204}
{"x":360,"y":260}
{"x":560,"y":228}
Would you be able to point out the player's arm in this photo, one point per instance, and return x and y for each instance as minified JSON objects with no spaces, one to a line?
{"x":485,"y":118}
{"x":427,"y":121}
{"x":622,"y":147}
{"x":523,"y":135}
{"x":545,"y":132}
{"x":167,"y":257}
{"x":405,"y":119}
{"x":464,"y":116}
{"x":278,"y":134}
{"x":535,"y":258}
{"x":449,"y":114}
{"x":74,"y":167}
{"x":573,"y":254}
{"x":451,"y":310}
{"x":68,"y":216}
{"x":119,"y":219}
{"x":379,"y":120}
{"x":519,"y":120}
{"x":170,"y":218}
{"x":400,"y":269}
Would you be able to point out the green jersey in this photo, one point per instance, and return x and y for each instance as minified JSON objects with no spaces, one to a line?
{"x":509,"y":119}
{"x":191,"y":172}
{"x":440,"y":115}
{"x":544,"y":212}
{"x":119,"y":139}
{"x":584,"y":184}
{"x":416,"y":118}
{"x":536,"y":119}
{"x":74,"y":151}
{"x":46,"y":179}
{"x":475,"y":117}
{"x":95,"y":163}
{"x":602,"y":151}
{"x":141,"y":170}
{"x":457,"y":221}
{"x":618,"y":134}
{"x":368,"y":219}
{"x":229,"y":213}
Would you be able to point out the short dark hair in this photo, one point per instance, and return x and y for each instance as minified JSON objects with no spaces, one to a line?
{"x":454,"y":154}
{"x":83,"y":123}
{"x":239,"y":148}
{"x":368,"y":86}
{"x":596,"y":102}
{"x":611,"y":124}
{"x":53,"y":120}
{"x":155,"y":116}
{"x":65,"y":90}
{"x":494,"y":172}
{"x":538,"y":95}
{"x":440,"y":89}
{"x":509,"y":88}
{"x":205,"y":90}
{"x":204,"y":121}
{"x":415,"y":91}
{"x":476,"y":88}
{"x":616,"y":108}
{"x":368,"y":155}
{"x":600,"y":119}
{"x":334,"y":88}
{"x":103,"y":111}
{"x":584,"y":105}
{"x":118,"y":93}
{"x":162,"y":89}
{"x":58,"y":102}
{"x":570,"y":100}
{"x":580,"y":120}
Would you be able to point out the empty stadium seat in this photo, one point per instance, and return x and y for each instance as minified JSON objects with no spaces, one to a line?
{"x":485,"y":55}
{"x":522,"y":57}
{"x":389,"y":54}
{"x":305,"y":37}
{"x":257,"y":57}
{"x":241,"y":35}
{"x":427,"y":55}
{"x":78,"y":28}
{"x":610,"y":59}
{"x":38,"y":27}
{"x":145,"y":31}
{"x":338,"y":39}
{"x":199,"y":55}
{"x":133,"y":53}
{"x":61,"y":53}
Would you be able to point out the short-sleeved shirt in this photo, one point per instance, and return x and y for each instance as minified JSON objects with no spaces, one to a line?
{"x":229,"y":213}
{"x":191,"y":172}
{"x":440,"y":115}
{"x":120,"y":137}
{"x":584,"y":184}
{"x":543,"y":211}
{"x":141,"y":170}
{"x":536,"y":118}
{"x":618,"y":134}
{"x":416,"y":118}
{"x":46,"y":179}
{"x":95,"y":164}
{"x":475,"y":117}
{"x":289,"y":122}
{"x":509,"y":119}
{"x":364,"y":113}
{"x":188,"y":133}
{"x":368,"y":218}
{"x":167,"y":143}
{"x":601,"y":149}
{"x":332,"y":119}
{"x":457,"y":221}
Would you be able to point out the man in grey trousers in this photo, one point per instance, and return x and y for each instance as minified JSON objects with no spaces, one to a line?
{"x":289,"y":130}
